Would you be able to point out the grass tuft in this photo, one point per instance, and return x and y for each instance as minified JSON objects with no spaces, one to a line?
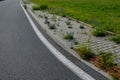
{"x":84,"y":52}
{"x":40,"y":7}
{"x":116,"y":39}
{"x":99,"y":32}
{"x":68,"y":37}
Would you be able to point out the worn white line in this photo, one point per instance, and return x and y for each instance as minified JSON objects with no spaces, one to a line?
{"x":79,"y":72}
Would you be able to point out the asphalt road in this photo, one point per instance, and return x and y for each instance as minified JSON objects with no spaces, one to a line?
{"x":22,"y":55}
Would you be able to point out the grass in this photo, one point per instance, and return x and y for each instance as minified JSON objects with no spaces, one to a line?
{"x":116,"y":39}
{"x":35,"y":7}
{"x":99,"y":32}
{"x":40,"y":7}
{"x":106,"y":60}
{"x":84,"y":52}
{"x":70,"y":27}
{"x":99,"y":13}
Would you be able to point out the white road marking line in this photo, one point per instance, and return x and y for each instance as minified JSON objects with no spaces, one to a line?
{"x":79,"y":72}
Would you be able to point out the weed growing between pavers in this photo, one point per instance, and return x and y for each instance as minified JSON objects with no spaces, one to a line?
{"x":82,"y":27}
{"x":84,"y":52}
{"x":52,"y":26}
{"x":104,"y":60}
{"x":68,"y":37}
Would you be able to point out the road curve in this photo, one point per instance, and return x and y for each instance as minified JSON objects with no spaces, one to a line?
{"x":22,"y":55}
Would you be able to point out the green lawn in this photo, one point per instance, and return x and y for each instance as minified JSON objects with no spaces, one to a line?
{"x":99,"y":13}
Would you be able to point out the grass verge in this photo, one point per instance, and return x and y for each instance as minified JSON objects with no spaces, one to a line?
{"x":99,"y":13}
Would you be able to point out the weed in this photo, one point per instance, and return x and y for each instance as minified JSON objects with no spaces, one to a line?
{"x":63,"y":15}
{"x":82,"y":27}
{"x":52,"y":26}
{"x":40,"y":7}
{"x":43,"y":7}
{"x":99,"y":32}
{"x":76,"y":43}
{"x":35,"y":7}
{"x":84,"y":52}
{"x":68,"y":37}
{"x":106,"y":60}
{"x":116,"y":39}
{"x":70,"y":27}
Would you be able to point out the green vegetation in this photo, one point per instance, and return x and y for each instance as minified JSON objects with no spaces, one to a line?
{"x":84,"y":52}
{"x":68,"y":37}
{"x":40,"y":7}
{"x":70,"y":27}
{"x":99,"y":32}
{"x":35,"y":7}
{"x":82,"y":27}
{"x":106,"y":60}
{"x":52,"y":26}
{"x":99,"y":13}
{"x":43,"y":7}
{"x":76,"y":43}
{"x":116,"y":39}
